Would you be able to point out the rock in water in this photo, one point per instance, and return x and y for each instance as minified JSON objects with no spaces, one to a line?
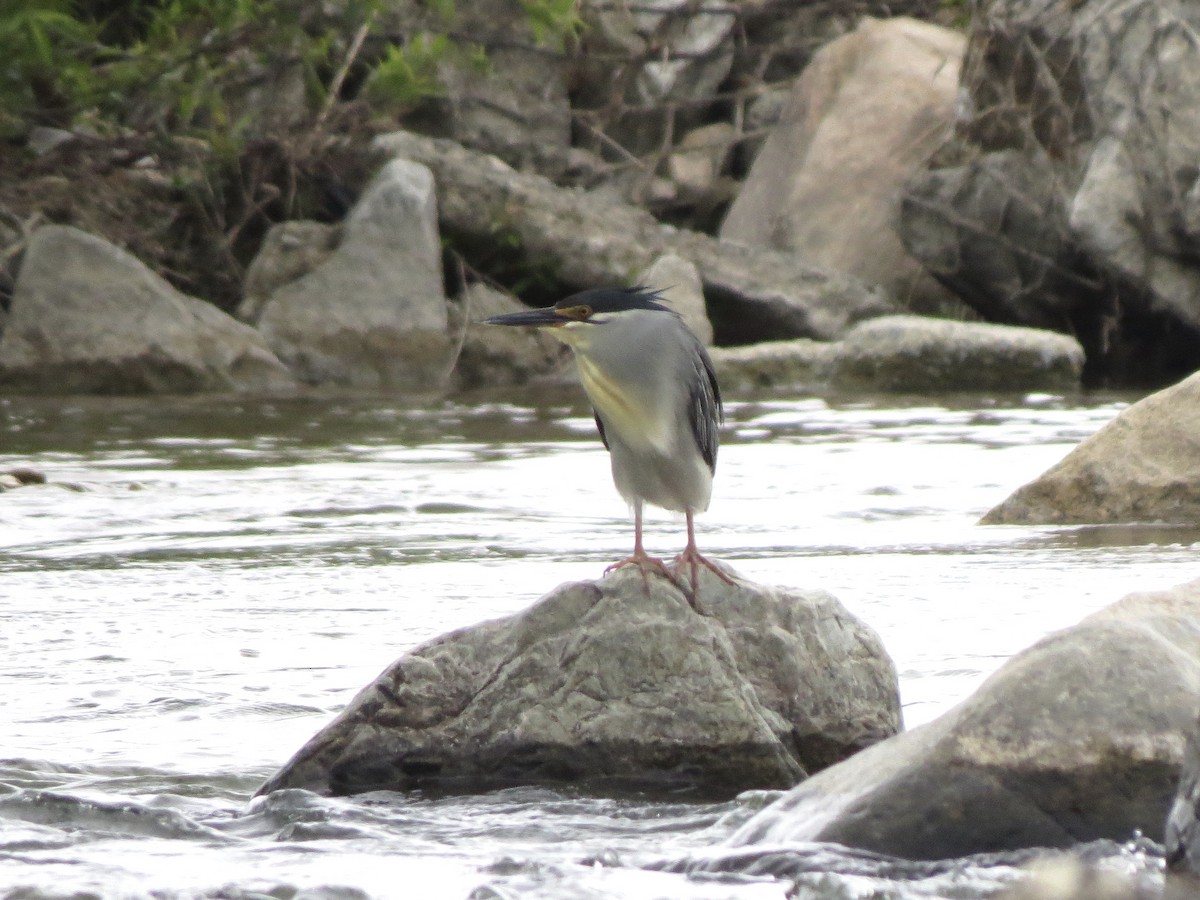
{"x":912,"y":353}
{"x":1078,"y":738}
{"x":610,"y":685}
{"x":1144,"y":466}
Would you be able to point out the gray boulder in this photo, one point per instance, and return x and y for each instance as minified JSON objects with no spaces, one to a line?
{"x":1078,"y":738}
{"x":914,"y":354}
{"x":774,"y":365}
{"x":1144,"y":466}
{"x":89,"y":318}
{"x":1068,"y":195}
{"x":374,"y":313}
{"x":679,"y":282}
{"x":618,"y":684}
{"x":581,"y":241}
{"x":698,"y":164}
{"x":498,"y":356}
{"x":290,"y":250}
{"x":828,"y":187}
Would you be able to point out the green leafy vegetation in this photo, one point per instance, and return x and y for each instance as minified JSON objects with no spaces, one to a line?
{"x":188,"y":66}
{"x":409,"y":74}
{"x":553,"y":21}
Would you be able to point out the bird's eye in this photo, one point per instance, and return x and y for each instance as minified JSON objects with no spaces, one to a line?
{"x":578,"y":313}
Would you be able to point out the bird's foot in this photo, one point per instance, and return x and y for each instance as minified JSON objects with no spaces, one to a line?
{"x":646,"y":564}
{"x":694,"y":559}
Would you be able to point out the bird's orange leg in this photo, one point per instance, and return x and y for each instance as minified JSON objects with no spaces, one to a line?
{"x":691,"y":556}
{"x":640,"y":558}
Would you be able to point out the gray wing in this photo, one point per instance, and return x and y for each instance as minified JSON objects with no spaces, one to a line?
{"x":600,"y":428}
{"x":704,"y":407}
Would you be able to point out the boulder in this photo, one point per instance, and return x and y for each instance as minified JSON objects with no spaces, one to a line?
{"x":679,"y":282}
{"x":289,"y":251}
{"x":374,"y":313}
{"x":618,"y":684}
{"x":498,"y":356}
{"x":828,"y":180}
{"x":89,"y":318}
{"x":780,"y":365}
{"x":1143,"y":466}
{"x":1182,"y":840}
{"x":1069,"y":191}
{"x":1078,"y":738}
{"x":918,"y":355}
{"x":699,"y":161}
{"x":581,"y":241}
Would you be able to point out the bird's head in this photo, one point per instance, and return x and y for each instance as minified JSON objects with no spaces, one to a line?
{"x":572,"y":318}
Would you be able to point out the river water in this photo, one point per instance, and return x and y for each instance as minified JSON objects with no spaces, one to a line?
{"x":205,"y":582}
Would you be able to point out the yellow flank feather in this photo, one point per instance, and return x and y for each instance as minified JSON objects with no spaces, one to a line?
{"x":633,"y":429}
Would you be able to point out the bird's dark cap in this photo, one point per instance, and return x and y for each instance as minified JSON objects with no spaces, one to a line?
{"x":616,"y":300}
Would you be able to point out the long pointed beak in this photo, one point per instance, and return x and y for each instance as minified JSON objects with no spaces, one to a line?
{"x":535,"y":317}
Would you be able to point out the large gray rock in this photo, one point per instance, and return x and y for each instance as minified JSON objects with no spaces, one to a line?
{"x":1144,"y":466}
{"x":799,"y":364}
{"x":679,"y":282}
{"x":1078,"y":738}
{"x":618,"y":684}
{"x":374,"y":313}
{"x":289,"y":251}
{"x":828,"y":180}
{"x":89,"y":318}
{"x":492,"y":356}
{"x":1069,"y":195}
{"x":753,"y":294}
{"x":914,"y":354}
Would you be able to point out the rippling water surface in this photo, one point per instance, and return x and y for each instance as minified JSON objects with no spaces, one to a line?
{"x":204,"y":583}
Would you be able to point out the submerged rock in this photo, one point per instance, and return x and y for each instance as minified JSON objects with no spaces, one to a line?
{"x":617,"y":684}
{"x":1144,"y":466}
{"x":1078,"y":738}
{"x":87,"y":317}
